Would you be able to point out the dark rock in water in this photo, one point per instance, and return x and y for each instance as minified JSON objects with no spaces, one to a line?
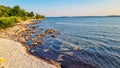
{"x":42,"y":43}
{"x":53,"y":36}
{"x":50,"y":31}
{"x":34,"y":44}
{"x":33,"y":27}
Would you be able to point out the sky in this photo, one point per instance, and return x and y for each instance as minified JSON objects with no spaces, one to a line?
{"x":68,"y":7}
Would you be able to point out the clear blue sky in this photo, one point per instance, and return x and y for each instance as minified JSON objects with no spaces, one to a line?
{"x":68,"y":7}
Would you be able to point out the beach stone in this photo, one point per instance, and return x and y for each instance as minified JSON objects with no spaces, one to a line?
{"x":50,"y":31}
{"x":22,"y":39}
{"x":2,"y":63}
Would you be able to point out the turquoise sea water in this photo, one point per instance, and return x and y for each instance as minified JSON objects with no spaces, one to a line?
{"x":97,"y":40}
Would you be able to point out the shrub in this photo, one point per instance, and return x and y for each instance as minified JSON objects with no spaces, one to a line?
{"x":24,"y":18}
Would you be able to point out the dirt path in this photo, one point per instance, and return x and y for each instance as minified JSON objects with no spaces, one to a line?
{"x":16,"y":57}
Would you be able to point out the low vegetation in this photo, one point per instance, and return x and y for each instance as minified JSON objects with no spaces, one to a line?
{"x":9,"y":16}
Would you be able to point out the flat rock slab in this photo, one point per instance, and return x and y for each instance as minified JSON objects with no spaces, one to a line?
{"x":16,"y":57}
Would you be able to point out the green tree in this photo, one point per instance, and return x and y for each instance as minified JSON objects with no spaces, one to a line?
{"x":38,"y":16}
{"x":31,"y":14}
{"x":16,"y":10}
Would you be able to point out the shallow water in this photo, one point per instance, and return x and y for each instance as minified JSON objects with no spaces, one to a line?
{"x":93,"y":42}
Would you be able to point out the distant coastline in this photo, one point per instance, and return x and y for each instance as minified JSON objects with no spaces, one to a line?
{"x":90,"y":16}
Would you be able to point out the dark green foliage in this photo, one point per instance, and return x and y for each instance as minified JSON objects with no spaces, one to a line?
{"x":9,"y":16}
{"x":38,"y":16}
{"x":31,"y":14}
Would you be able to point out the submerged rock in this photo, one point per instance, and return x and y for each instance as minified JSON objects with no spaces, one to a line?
{"x":75,"y":48}
{"x":50,"y":31}
{"x":34,"y":44}
{"x":34,"y":40}
{"x":33,"y":27}
{"x":42,"y":34}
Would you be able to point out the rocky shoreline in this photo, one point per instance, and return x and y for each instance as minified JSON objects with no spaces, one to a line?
{"x":16,"y":33}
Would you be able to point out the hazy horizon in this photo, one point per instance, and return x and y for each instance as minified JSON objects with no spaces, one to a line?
{"x":68,"y":7}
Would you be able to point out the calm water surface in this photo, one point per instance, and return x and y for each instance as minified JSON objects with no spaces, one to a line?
{"x":97,"y":40}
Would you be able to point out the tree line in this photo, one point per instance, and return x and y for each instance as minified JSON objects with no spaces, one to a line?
{"x":9,"y":16}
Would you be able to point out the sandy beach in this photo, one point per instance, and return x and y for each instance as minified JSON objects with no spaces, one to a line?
{"x":15,"y":56}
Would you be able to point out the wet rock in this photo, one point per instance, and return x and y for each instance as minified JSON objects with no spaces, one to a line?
{"x":28,"y":34}
{"x":45,"y":50}
{"x":27,"y":47}
{"x":34,"y":40}
{"x":60,"y":57}
{"x":42,"y":34}
{"x":50,"y":31}
{"x":69,"y":53}
{"x":27,"y":37}
{"x":38,"y":35}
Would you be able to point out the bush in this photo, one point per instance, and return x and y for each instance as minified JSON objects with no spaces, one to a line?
{"x":17,"y":19}
{"x":8,"y":21}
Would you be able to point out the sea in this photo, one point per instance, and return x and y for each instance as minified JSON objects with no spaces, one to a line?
{"x":80,"y":42}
